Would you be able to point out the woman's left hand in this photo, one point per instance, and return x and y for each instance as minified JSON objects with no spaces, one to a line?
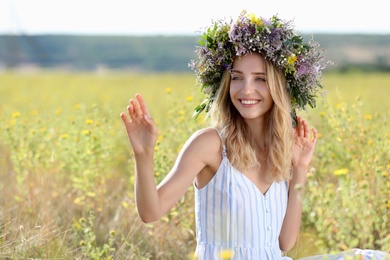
{"x":304,"y":144}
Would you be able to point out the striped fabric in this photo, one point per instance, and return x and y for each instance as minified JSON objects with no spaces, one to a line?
{"x":233,"y":215}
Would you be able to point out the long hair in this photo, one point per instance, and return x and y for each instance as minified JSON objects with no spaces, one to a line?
{"x":278,"y":128}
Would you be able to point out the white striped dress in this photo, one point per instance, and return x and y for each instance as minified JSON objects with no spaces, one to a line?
{"x":233,"y":214}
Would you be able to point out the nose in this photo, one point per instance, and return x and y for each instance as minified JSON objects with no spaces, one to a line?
{"x":248,"y":87}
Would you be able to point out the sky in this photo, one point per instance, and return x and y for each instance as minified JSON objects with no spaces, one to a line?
{"x":175,"y":17}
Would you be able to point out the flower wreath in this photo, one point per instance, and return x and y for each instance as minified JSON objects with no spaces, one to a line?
{"x":278,"y":42}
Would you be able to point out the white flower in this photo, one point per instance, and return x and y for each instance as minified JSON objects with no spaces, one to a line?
{"x":207,"y":90}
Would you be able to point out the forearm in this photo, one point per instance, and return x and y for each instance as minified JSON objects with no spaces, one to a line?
{"x":145,"y":189}
{"x":292,"y":220}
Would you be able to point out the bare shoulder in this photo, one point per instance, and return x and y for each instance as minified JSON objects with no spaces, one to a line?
{"x":206,"y":144}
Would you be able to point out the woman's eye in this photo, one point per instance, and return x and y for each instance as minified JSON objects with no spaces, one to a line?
{"x":236,"y":78}
{"x":260,"y":79}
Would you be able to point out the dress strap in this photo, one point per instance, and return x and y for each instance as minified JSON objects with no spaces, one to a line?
{"x":223,"y":144}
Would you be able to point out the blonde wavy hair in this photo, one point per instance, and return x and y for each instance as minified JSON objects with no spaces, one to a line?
{"x":278,"y":128}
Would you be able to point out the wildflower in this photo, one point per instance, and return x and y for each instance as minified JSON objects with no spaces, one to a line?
{"x":58,"y":111}
{"x":342,"y":171}
{"x":82,"y":243}
{"x":112,"y":232}
{"x":15,"y":114}
{"x":76,"y":107}
{"x":63,"y":136}
{"x":226,"y":254}
{"x":189,"y":98}
{"x":89,"y":121}
{"x":168,"y":90}
{"x":368,"y":117}
{"x":292,"y":59}
{"x":255,"y":20}
{"x":207,"y":90}
{"x":86,"y":132}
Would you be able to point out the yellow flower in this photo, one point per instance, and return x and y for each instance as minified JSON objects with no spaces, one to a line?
{"x":322,"y":113}
{"x":189,"y":98}
{"x":86,"y":132}
{"x":76,"y":107}
{"x":15,"y":114}
{"x":255,"y":20}
{"x":89,"y":121}
{"x":342,"y":171}
{"x":168,"y":90}
{"x":63,"y":136}
{"x":292,"y":59}
{"x":58,"y":111}
{"x":368,"y":117}
{"x":226,"y":254}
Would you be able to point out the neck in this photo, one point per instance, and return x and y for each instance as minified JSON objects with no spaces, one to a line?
{"x":257,"y":131}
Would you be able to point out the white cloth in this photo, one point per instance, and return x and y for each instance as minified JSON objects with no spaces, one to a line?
{"x":233,"y":215}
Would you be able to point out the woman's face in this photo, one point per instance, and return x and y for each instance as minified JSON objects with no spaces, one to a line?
{"x":249,"y":91}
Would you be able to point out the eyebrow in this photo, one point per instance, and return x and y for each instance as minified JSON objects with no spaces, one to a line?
{"x":240,"y":72}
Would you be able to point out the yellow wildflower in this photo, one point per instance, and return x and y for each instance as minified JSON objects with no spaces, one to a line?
{"x":86,"y":132}
{"x":76,"y":107}
{"x":255,"y":20}
{"x":368,"y":117}
{"x":58,"y":111}
{"x":189,"y":98}
{"x":89,"y":121}
{"x":226,"y":254}
{"x":292,"y":59}
{"x":168,"y":90}
{"x":15,"y":114}
{"x":63,"y":136}
{"x":342,"y":171}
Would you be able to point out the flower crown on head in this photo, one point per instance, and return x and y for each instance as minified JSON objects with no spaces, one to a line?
{"x":278,"y":42}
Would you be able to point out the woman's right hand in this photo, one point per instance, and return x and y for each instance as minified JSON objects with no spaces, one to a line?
{"x":140,"y":126}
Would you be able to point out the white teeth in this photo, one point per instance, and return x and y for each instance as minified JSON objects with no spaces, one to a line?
{"x":249,"y":102}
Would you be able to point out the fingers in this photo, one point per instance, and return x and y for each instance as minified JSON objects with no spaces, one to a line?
{"x":136,"y":109}
{"x":315,"y":135}
{"x":142,"y":104}
{"x":303,"y":129}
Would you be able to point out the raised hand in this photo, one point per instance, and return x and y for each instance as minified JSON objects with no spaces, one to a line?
{"x":140,"y":126}
{"x":304,"y":144}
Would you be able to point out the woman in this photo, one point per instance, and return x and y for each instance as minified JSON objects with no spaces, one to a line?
{"x":249,"y":168}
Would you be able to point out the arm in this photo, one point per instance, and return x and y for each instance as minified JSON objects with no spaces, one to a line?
{"x":303,"y":150}
{"x":153,"y":202}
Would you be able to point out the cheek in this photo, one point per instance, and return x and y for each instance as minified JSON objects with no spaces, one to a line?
{"x":233,"y":90}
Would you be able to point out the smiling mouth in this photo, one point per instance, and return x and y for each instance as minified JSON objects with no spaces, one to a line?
{"x":249,"y":102}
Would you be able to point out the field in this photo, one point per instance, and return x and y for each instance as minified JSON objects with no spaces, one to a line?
{"x":66,"y":168}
